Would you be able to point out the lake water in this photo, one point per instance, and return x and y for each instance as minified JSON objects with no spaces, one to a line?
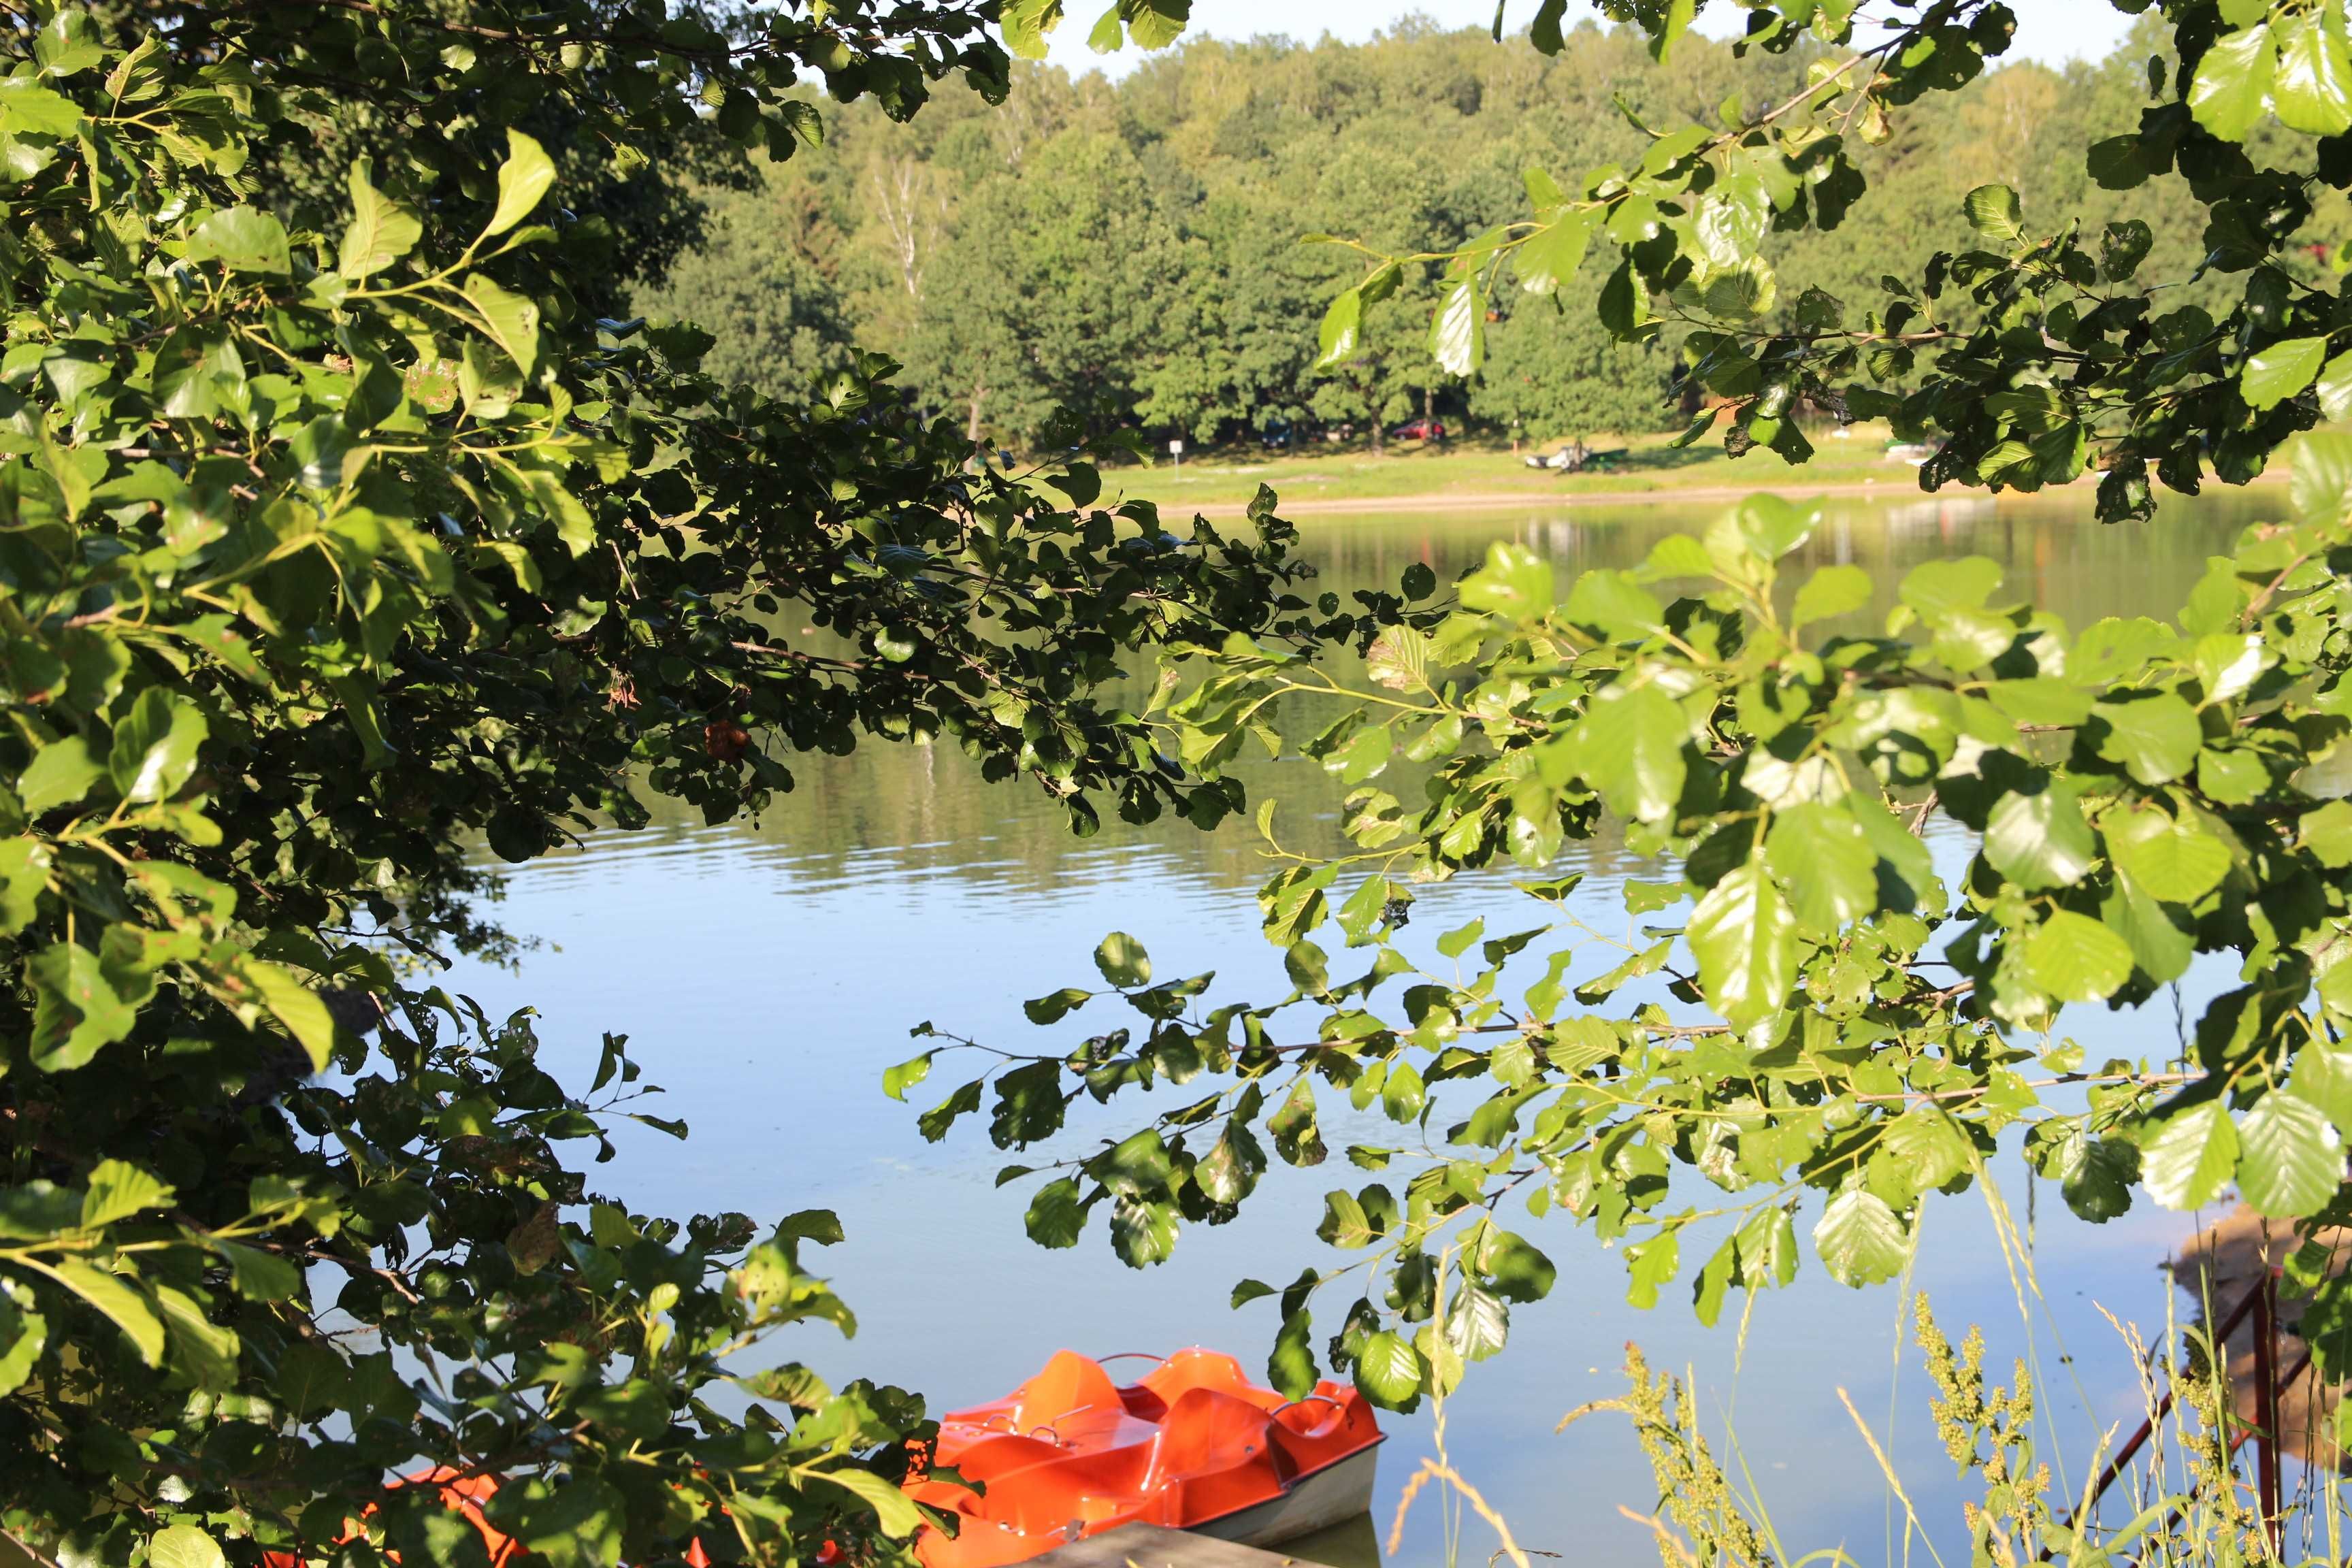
{"x":767,"y":973}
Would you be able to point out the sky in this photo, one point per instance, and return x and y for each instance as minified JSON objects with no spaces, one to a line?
{"x":2050,"y":31}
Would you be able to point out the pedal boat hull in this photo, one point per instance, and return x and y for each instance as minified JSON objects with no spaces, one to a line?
{"x":1192,"y":1445}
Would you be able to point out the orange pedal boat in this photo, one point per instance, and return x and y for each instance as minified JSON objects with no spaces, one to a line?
{"x":1194,"y":1445}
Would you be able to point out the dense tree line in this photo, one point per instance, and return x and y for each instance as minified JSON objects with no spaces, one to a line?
{"x":1134,"y":251}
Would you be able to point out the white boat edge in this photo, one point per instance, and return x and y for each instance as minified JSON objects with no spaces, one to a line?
{"x":1327,"y":1497}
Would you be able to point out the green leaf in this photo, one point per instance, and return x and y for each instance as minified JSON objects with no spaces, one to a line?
{"x":510,"y":320}
{"x":1024,"y":23}
{"x":1345,"y":1223}
{"x":183,"y":1546}
{"x":1544,"y":31}
{"x":295,"y":1006}
{"x":1389,"y":1370}
{"x":1297,"y":1135}
{"x":894,"y":1510}
{"x":1514,"y":1268}
{"x":2174,"y":859}
{"x":77,"y":1010}
{"x":1745,"y":937}
{"x":155,"y":747}
{"x":1715,"y":1281}
{"x":2098,"y":1186}
{"x":1936,"y":588}
{"x":117,"y":1190}
{"x":2334,"y":386}
{"x":1397,"y":658}
{"x":2326,"y":835}
{"x":1478,"y":1322}
{"x":1829,"y":593}
{"x":203,"y":1352}
{"x":1927,"y":1148}
{"x":2323,"y":1075}
{"x":1056,"y":1216}
{"x":935,"y":1122}
{"x":1860,"y":1239}
{"x":2281,"y":370}
{"x":1822,"y":856}
{"x":2289,"y":1156}
{"x":64,"y":45}
{"x":1549,"y":258}
{"x":60,"y":774}
{"x":2311,"y":90}
{"x":1672,"y":24}
{"x":1628,"y":746}
{"x":1229,"y":1171}
{"x":1156,"y":24}
{"x":523,"y":178}
{"x":1123,"y":962}
{"x":897,"y":1081}
{"x":28,"y":109}
{"x":1994,"y":212}
{"x":124,"y":1305}
{"x":2233,"y":83}
{"x":1457,"y":941}
{"x":1516,"y":582}
{"x":1403,"y":1093}
{"x":2155,"y":738}
{"x":2040,"y":841}
{"x":573,"y":525}
{"x":1052,"y":1008}
{"x":2162,"y":949}
{"x":24,"y":876}
{"x":2075,"y":958}
{"x":191,"y":369}
{"x":1291,"y":1366}
{"x":2124,"y":246}
{"x":1458,"y":331}
{"x":244,"y":239}
{"x":1342,"y":331}
{"x":1616,"y":603}
{"x":1730,"y":221}
{"x":2231,"y":777}
{"x":259,"y":1275}
{"x":2217,"y":602}
{"x":2320,"y":485}
{"x":1650,"y":1265}
{"x":1142,"y":1231}
{"x":380,"y":231}
{"x":23,"y":1336}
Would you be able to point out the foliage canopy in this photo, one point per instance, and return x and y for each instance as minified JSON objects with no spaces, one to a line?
{"x":1893,"y":853}
{"x":333,"y":552}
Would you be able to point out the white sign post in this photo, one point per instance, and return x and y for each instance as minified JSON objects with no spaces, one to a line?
{"x":1176,"y":450}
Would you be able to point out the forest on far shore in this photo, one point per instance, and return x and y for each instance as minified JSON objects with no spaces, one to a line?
{"x":1136,"y":251}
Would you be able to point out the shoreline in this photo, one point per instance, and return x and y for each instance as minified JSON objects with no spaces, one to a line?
{"x":1703,"y":494}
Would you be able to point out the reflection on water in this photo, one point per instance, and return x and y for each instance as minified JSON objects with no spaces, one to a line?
{"x":767,"y":972}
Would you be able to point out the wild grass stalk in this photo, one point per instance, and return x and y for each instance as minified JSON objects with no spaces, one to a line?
{"x":2186,"y":1496}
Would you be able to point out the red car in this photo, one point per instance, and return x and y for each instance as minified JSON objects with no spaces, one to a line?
{"x":1420,"y":430}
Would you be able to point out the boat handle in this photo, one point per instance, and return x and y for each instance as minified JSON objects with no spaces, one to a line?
{"x":1130,"y":1355}
{"x":1311,"y":1399}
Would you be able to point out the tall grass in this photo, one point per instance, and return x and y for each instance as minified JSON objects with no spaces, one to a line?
{"x":2186,"y":1498}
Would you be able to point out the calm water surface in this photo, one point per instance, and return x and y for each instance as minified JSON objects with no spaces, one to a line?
{"x":767,"y":973}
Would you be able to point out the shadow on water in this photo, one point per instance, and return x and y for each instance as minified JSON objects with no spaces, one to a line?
{"x":769,"y":971}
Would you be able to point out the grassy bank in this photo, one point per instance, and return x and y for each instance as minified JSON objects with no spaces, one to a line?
{"x":1474,"y":474}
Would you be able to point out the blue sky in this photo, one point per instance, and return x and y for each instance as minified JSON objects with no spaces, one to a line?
{"x":2053,"y":31}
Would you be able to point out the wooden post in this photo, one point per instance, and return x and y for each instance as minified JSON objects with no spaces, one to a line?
{"x":2266,"y":1403}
